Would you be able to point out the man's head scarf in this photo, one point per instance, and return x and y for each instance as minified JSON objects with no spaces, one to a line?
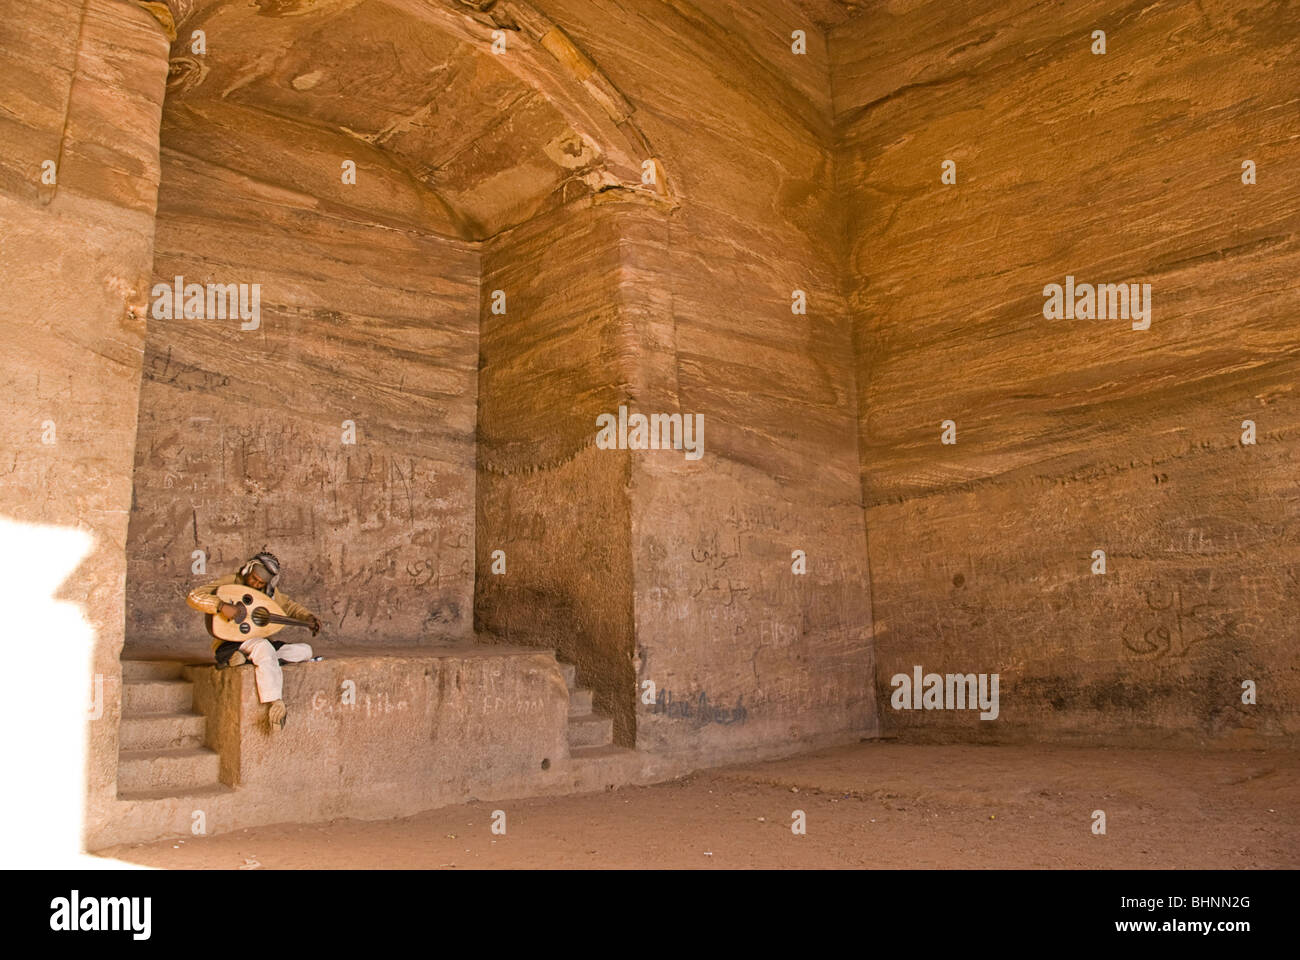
{"x":266,"y":566}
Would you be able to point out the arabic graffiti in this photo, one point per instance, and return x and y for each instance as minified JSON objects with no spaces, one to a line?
{"x":1181,"y":615}
{"x":699,"y":709}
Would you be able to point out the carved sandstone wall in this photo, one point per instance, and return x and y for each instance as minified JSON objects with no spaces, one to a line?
{"x":780,"y":660}
{"x":364,"y":318}
{"x":81,"y":88}
{"x":553,"y":504}
{"x":1078,"y":435}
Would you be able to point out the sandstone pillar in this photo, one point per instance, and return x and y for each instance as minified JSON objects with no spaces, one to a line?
{"x":82,"y":88}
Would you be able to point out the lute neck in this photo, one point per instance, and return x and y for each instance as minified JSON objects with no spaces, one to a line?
{"x":261,"y":618}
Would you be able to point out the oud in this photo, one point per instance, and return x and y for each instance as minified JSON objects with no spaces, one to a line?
{"x":257,"y":615}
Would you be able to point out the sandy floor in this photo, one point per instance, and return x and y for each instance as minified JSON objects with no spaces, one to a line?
{"x":870,"y":805}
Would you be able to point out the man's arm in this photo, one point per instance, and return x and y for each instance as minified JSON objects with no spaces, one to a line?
{"x":296,"y":610}
{"x":204,"y":599}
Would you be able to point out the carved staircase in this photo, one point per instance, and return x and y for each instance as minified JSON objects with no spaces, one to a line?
{"x":591,"y":734}
{"x":160,"y":748}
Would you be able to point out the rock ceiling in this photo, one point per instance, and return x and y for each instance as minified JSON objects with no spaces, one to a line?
{"x":445,"y":135}
{"x":443,"y":132}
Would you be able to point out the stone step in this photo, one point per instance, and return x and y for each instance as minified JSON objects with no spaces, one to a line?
{"x":195,"y":793}
{"x":156,"y":696}
{"x":151,"y":670}
{"x":591,"y":730}
{"x":579,"y":702}
{"x":603,"y":751}
{"x":174,"y":770}
{"x":570,"y":674}
{"x":161,"y":731}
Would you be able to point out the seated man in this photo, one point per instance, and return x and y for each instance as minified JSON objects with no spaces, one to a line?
{"x":262,"y":573}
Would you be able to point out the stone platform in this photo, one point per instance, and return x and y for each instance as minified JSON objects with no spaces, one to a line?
{"x":370,"y":734}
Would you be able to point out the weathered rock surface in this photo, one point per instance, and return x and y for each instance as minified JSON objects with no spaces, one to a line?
{"x":244,"y":433}
{"x":759,"y":655}
{"x":1078,"y":435}
{"x":553,"y":505}
{"x":386,"y":430}
{"x":81,"y":87}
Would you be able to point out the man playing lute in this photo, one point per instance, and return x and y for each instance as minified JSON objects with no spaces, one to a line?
{"x":262,"y":573}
